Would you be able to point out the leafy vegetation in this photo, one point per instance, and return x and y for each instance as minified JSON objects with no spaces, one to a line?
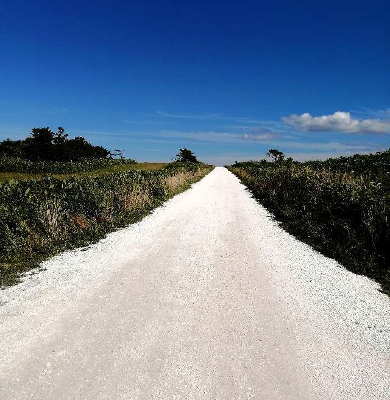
{"x":275,"y":154}
{"x":66,"y":170}
{"x":339,"y":206}
{"x":186,"y":156}
{"x":46,"y":153}
{"x":46,"y":145}
{"x":42,"y":214}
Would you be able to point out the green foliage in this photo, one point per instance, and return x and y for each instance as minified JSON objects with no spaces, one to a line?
{"x":186,"y":156}
{"x":276,"y":155}
{"x":105,"y":170}
{"x":373,"y":166}
{"x":11,"y":148}
{"x":339,"y":206}
{"x":14,"y":164}
{"x":46,"y":145}
{"x":39,"y":218}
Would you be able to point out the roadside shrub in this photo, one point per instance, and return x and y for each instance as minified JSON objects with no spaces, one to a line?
{"x":342,"y":213}
{"x":39,"y":218}
{"x":15,"y":164}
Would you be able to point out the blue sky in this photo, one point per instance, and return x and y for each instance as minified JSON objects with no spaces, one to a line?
{"x":228,"y":80}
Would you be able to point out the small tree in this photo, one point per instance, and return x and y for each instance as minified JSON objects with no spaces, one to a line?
{"x":41,"y":145}
{"x":275,"y":154}
{"x":60,"y":137}
{"x":186,"y":156}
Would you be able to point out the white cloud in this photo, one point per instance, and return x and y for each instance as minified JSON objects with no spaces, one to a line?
{"x":338,"y":122}
{"x":261,"y":137}
{"x":260,"y":134}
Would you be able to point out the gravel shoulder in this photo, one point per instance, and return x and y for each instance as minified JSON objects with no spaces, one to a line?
{"x":206,"y":298}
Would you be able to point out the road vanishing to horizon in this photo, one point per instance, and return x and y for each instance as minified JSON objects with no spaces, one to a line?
{"x":206,"y":298}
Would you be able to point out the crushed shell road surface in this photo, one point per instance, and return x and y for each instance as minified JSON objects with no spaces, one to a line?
{"x":206,"y":298}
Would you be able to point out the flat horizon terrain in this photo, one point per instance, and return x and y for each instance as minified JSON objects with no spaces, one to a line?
{"x":206,"y":298}
{"x":144,"y":166}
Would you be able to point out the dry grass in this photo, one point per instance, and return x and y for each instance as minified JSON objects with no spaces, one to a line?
{"x":176,"y":183}
{"x":172,"y":183}
{"x":50,"y":214}
{"x":135,"y":199}
{"x":80,"y":221}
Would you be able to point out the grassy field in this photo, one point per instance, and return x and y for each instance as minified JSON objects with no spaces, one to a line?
{"x":45,"y":213}
{"x":340,"y":206}
{"x":7,"y":176}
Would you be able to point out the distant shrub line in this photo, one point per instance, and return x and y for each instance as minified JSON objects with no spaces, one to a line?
{"x":16,"y":164}
{"x":341,"y":207}
{"x":41,"y":218}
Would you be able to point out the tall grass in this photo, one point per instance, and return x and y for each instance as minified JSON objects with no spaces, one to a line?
{"x":39,"y":218}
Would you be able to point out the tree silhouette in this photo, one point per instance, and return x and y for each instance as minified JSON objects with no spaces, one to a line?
{"x":275,"y":154}
{"x":186,"y":156}
{"x":46,"y":145}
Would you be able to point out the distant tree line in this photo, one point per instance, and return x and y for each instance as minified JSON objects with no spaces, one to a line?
{"x":46,"y":145}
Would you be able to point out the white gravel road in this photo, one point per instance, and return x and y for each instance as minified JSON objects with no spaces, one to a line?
{"x":207,"y":298}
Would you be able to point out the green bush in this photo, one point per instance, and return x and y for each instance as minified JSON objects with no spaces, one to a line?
{"x":39,"y":218}
{"x":340,"y":212}
{"x":15,"y":164}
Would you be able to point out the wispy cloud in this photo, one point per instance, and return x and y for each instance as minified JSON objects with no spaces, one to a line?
{"x":13,"y":132}
{"x":261,"y":134}
{"x":230,"y":158}
{"x":217,"y":117}
{"x":132,"y":121}
{"x":327,"y":146}
{"x":253,"y":134}
{"x":304,"y":155}
{"x":53,"y":110}
{"x":312,"y":155}
{"x":266,"y":137}
{"x":162,"y":136}
{"x":338,"y":122}
{"x":238,"y":127}
{"x":217,"y":137}
{"x":210,"y":116}
{"x":367,"y":112}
